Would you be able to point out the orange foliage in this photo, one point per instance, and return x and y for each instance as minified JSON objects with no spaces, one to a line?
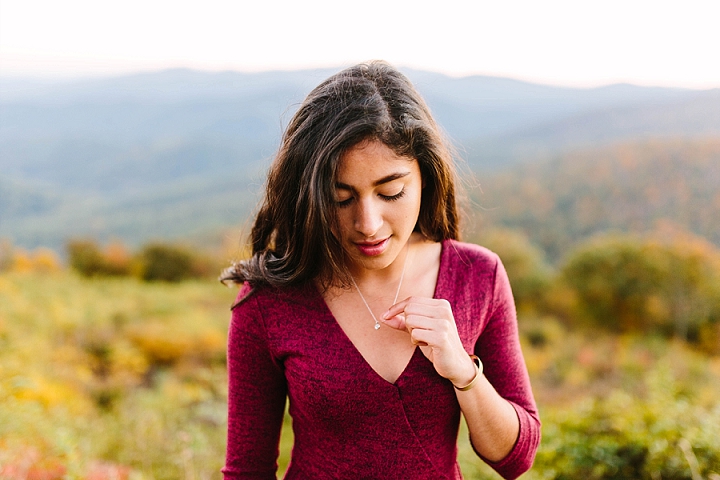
{"x":30,"y":464}
{"x":107,"y":471}
{"x":45,"y":260}
{"x":40,"y":260}
{"x":166,"y":345}
{"x":21,"y":262}
{"x":117,"y":257}
{"x":625,"y":188}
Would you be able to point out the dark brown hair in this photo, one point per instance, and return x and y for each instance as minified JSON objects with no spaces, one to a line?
{"x":292,"y":239}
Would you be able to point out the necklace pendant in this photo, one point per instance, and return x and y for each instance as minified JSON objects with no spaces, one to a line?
{"x":397,"y":293}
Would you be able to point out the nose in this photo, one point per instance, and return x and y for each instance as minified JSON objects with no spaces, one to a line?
{"x":368,"y":218}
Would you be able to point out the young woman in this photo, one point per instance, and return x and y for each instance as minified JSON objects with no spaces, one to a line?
{"x":360,"y":305}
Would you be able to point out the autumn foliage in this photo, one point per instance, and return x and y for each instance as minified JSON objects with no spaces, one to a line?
{"x":154,"y":261}
{"x":667,"y":283}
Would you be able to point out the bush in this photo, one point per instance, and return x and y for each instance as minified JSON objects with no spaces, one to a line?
{"x":154,"y":262}
{"x":86,"y":257}
{"x":45,"y":261}
{"x":528,"y":273}
{"x":163,"y":262}
{"x":6,"y":255}
{"x":42,"y":260}
{"x":669,"y":285}
{"x":663,"y":435}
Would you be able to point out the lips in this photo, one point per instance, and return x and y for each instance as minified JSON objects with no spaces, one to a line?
{"x":372,"y":248}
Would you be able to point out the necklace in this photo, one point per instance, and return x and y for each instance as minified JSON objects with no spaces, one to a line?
{"x":397,"y":293}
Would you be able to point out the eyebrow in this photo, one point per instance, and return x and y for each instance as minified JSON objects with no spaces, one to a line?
{"x":376,"y":183}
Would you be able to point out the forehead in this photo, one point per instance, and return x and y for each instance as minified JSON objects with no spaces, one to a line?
{"x":372,"y":158}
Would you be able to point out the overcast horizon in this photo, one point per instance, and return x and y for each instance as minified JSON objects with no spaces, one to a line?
{"x":558,"y":42}
{"x":49,"y":79}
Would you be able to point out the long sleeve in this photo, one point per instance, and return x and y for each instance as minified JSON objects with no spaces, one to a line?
{"x":499,"y":349}
{"x":256,"y":396}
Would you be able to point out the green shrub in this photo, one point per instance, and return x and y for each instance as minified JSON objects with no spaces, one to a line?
{"x":665,"y":285}
{"x":525,"y":264}
{"x":6,"y":255}
{"x":164,"y":262}
{"x":664,"y":434}
{"x":86,"y":257}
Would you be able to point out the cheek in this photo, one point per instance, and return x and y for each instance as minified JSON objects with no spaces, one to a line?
{"x":416,"y":206}
{"x":408,"y":216}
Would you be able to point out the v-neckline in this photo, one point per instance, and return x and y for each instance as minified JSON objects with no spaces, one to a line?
{"x":354,"y":348}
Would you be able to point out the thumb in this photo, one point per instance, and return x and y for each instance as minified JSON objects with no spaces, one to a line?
{"x":395,"y":316}
{"x":397,"y":322}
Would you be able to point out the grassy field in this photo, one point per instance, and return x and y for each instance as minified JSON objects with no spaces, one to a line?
{"x":119,"y":379}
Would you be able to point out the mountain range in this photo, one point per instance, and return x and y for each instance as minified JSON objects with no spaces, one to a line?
{"x":180,"y":152}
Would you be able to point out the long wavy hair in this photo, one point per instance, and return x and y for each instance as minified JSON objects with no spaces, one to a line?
{"x":292,"y":237}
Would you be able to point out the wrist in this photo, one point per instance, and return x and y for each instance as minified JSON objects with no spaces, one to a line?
{"x":477,"y":371}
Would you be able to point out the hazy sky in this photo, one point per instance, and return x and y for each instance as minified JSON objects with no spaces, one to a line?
{"x":574,"y":42}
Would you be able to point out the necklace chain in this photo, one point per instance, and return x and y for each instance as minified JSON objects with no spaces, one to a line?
{"x":397,"y":293}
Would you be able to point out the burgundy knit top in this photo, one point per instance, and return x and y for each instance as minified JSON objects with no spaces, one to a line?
{"x":349,"y":422}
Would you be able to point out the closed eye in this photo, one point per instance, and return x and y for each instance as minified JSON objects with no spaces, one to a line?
{"x":387,"y":198}
{"x":344,"y":203}
{"x":392,"y":198}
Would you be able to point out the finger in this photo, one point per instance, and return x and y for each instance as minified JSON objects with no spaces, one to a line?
{"x":421,"y":321}
{"x":397,"y":322}
{"x":403,"y":304}
{"x":434,"y":332}
{"x":438,"y":311}
{"x":396,"y":309}
{"x":421,"y":337}
{"x":409,"y":322}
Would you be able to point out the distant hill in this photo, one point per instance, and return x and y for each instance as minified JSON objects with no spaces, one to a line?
{"x":694,"y":115}
{"x":479,"y":107}
{"x":630,"y":187}
{"x":156,"y":127}
{"x":31,"y":216}
{"x":178,"y":151}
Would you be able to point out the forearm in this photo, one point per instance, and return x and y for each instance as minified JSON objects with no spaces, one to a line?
{"x":492,"y":421}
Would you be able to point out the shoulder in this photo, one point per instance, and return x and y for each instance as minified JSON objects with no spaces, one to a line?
{"x":251,"y":294}
{"x":277,"y":307}
{"x":469,"y":279}
{"x":468,"y":268}
{"x":245,"y":292}
{"x":459,"y":255}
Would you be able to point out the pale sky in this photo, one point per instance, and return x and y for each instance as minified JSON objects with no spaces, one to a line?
{"x":564,"y":42}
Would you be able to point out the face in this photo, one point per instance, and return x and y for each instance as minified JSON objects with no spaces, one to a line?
{"x":377,"y":194}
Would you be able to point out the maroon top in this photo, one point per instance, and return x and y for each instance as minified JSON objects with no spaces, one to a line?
{"x":348,"y":421}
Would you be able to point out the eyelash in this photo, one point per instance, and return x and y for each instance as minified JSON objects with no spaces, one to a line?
{"x":392,"y":198}
{"x":387,"y":198}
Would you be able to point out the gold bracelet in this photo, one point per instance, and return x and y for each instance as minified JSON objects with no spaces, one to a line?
{"x":478,"y":371}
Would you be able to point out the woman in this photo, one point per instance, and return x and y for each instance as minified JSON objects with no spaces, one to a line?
{"x":361,"y":307}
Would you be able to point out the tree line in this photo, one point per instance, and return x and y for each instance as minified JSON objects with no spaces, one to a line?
{"x":628,"y":187}
{"x":153,"y":261}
